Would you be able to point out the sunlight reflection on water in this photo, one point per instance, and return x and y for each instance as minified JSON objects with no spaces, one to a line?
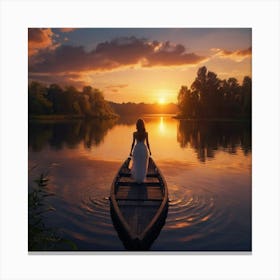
{"x":207,"y":168}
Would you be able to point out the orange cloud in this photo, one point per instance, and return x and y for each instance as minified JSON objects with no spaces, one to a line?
{"x":237,"y":55}
{"x":66,"y":30}
{"x":63,"y":79}
{"x":39,"y":38}
{"x":116,"y":88}
{"x":120,"y":52}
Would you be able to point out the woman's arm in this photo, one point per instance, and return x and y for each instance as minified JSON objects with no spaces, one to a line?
{"x":148,"y":145}
{"x":133,"y":142}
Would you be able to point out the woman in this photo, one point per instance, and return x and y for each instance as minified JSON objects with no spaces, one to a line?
{"x":140,"y":152}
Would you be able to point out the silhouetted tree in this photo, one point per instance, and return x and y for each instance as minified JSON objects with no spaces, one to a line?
{"x":188,"y":102}
{"x":94,"y":103}
{"x":55,"y":96}
{"x":210,"y":97}
{"x":37,"y":99}
{"x":206,"y":86}
{"x":231,"y":97}
{"x":70,"y":95}
{"x":246,"y":90}
{"x":89,"y":103}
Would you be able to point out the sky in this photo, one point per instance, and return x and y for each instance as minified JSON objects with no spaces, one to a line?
{"x":136,"y":64}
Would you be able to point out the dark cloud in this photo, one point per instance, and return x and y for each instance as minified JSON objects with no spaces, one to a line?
{"x":167,"y":54}
{"x":120,"y":52}
{"x":62,"y":59}
{"x":65,"y":79}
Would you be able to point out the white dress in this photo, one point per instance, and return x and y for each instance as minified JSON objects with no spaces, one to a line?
{"x":140,"y":161}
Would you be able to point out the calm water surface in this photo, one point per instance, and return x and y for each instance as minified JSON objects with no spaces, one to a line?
{"x":207,"y":167}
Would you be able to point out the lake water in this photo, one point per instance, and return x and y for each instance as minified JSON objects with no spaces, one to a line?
{"x":207,"y":167}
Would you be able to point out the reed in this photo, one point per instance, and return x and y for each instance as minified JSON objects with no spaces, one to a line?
{"x":40,"y":236}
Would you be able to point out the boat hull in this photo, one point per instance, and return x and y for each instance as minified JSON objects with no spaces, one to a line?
{"x":138,"y":211}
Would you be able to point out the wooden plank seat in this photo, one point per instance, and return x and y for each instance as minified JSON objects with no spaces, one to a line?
{"x":126,"y":174}
{"x":145,"y":184}
{"x":139,"y":203}
{"x":131,"y":180}
{"x":134,"y":193}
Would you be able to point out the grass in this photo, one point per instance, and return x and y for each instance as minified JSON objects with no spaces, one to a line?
{"x":41,"y":237}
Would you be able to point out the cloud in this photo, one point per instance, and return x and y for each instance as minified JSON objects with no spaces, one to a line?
{"x":66,"y":30}
{"x":237,"y":55}
{"x":40,"y":38}
{"x":110,"y":55}
{"x":116,"y":88}
{"x":167,"y":54}
{"x":64,"y":79}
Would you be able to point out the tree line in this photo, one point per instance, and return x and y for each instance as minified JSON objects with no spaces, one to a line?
{"x":131,"y":108}
{"x":55,"y":100}
{"x":211,"y":97}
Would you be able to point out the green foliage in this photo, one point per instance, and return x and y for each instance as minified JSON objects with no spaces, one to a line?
{"x":89,"y":103}
{"x":210,"y":97}
{"x":41,"y":237}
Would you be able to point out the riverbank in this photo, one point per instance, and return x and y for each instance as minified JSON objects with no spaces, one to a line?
{"x":212,"y":119}
{"x":71,"y":117}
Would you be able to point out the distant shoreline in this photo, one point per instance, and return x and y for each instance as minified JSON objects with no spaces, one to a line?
{"x":70,"y":117}
{"x":112,"y":117}
{"x":212,"y":119}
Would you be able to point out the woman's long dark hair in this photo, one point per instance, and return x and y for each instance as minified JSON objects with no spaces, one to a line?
{"x":141,"y":130}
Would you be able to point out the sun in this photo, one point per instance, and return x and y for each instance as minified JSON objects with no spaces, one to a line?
{"x":161,"y":100}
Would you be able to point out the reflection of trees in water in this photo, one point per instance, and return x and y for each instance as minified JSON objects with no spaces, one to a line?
{"x":94,"y":132}
{"x":69,"y":134}
{"x":132,"y":119}
{"x":207,"y":137}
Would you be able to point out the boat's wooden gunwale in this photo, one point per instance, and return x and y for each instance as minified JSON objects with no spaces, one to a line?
{"x":115,"y":204}
{"x":162,"y":206}
{"x":160,"y":210}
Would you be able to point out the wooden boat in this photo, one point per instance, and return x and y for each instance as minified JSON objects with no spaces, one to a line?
{"x":139,"y":210}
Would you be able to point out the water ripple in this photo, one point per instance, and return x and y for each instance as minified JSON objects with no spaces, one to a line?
{"x":194,"y":214}
{"x":92,"y":226}
{"x":197,"y":218}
